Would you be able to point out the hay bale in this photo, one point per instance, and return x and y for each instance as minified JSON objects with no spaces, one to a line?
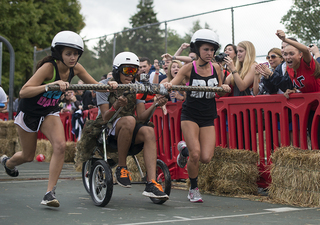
{"x":44,"y":147}
{"x":9,"y":146}
{"x":70,"y":151}
{"x":231,"y":171}
{"x":295,"y":177}
{"x":8,"y":130}
{"x":132,"y":166}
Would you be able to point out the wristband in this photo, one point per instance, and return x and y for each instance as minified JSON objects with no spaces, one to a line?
{"x":46,"y":88}
{"x":173,"y":57}
{"x":112,"y":109}
{"x":235,"y":71}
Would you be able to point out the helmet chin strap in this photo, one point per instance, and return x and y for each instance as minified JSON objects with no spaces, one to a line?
{"x":204,"y":61}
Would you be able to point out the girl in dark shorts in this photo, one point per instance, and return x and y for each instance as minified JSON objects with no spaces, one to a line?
{"x":199,"y":109}
{"x":38,"y":108}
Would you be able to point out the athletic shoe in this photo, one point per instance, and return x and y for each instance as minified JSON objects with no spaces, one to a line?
{"x":11,"y":172}
{"x":123,"y":177}
{"x":181,"y":160}
{"x":154,"y":190}
{"x":194,"y":195}
{"x":50,"y":199}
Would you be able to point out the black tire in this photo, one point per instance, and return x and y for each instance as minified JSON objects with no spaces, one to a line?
{"x":163,"y":177}
{"x":101,"y":183}
{"x":86,"y":170}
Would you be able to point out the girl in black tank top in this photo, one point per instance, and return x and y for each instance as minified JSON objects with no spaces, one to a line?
{"x":38,"y":108}
{"x":199,"y":108}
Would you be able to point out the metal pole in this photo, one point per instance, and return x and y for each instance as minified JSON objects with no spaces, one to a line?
{"x":166,"y":37}
{"x":232,"y":26}
{"x":114,"y":45}
{"x":11,"y":79}
{"x":34,"y":58}
{"x":0,"y":61}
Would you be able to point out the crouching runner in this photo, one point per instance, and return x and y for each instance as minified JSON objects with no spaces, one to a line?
{"x":125,"y":129}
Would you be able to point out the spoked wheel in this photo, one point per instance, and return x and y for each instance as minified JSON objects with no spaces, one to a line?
{"x":101,"y":183}
{"x":86,"y":170}
{"x":164,"y":179}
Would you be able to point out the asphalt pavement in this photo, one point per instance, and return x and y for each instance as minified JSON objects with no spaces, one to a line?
{"x":20,"y":204}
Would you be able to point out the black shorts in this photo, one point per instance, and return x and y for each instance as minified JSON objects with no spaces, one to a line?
{"x":200,"y":122}
{"x":134,"y":148}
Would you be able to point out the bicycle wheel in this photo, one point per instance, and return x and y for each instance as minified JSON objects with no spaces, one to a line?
{"x":86,"y":170}
{"x":101,"y":183}
{"x":164,"y":178}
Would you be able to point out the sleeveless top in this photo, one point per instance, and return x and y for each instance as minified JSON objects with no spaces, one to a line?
{"x":201,"y":105}
{"x":46,"y":102}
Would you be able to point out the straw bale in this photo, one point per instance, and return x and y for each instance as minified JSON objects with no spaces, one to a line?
{"x":70,"y":151}
{"x":44,"y":147}
{"x":9,"y":146}
{"x":295,"y":177}
{"x":8,"y":130}
{"x":230,"y":171}
{"x":132,"y":166}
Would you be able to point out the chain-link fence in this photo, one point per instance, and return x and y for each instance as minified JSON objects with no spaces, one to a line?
{"x":232,"y":24}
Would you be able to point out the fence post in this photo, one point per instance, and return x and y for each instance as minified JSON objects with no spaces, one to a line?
{"x":11,"y":79}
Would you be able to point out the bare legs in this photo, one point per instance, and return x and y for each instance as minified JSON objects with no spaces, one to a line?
{"x":53,"y":129}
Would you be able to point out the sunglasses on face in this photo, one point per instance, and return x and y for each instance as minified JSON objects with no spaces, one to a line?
{"x":129,"y":70}
{"x":272,"y":57}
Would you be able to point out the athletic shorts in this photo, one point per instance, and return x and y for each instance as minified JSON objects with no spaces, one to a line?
{"x":31,"y":123}
{"x":201,"y":123}
{"x":134,"y":148}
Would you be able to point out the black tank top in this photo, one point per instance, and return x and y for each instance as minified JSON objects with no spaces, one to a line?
{"x":46,"y":102}
{"x":201,"y":105}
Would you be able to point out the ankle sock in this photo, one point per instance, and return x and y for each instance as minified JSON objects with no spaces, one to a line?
{"x":185,"y":152}
{"x":194,"y":182}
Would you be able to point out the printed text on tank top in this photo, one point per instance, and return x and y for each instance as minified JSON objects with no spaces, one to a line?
{"x":212,"y":82}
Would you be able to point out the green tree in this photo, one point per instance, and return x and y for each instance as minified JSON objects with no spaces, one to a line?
{"x":303,"y":20}
{"x":147,"y":41}
{"x":30,"y":23}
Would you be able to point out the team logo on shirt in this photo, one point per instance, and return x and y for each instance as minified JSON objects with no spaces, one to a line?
{"x":297,"y":83}
{"x":211,"y":83}
{"x":50,"y":98}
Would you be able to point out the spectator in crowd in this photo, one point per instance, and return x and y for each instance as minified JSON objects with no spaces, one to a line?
{"x":315,"y":52}
{"x":125,"y":131}
{"x":68,"y":104}
{"x":173,"y":70}
{"x":242,"y":74}
{"x":177,"y":55}
{"x":199,"y":109}
{"x":105,"y":76}
{"x":3,"y":100}
{"x":88,"y":100}
{"x":144,"y":67}
{"x":275,"y":59}
{"x":231,"y":51}
{"x":38,"y":108}
{"x":302,"y":72}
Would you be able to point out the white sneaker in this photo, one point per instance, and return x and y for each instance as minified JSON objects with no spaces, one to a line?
{"x":195,"y":196}
{"x":182,"y":160}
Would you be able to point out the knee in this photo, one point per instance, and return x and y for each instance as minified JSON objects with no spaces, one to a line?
{"x":194,"y":156}
{"x":59,"y":148}
{"x":206,"y":160}
{"x":29,"y":158}
{"x":128,"y":123}
{"x":148,"y":133}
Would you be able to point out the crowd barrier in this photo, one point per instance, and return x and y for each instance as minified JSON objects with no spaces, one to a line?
{"x":256,"y":123}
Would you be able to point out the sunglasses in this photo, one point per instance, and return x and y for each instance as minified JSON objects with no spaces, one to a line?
{"x":129,"y":70}
{"x":272,"y":57}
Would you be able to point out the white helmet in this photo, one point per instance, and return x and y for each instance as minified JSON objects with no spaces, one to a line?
{"x":126,"y":58}
{"x":204,"y":35}
{"x":68,"y":39}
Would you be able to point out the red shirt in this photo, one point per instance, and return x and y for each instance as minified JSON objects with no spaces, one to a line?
{"x":304,"y":81}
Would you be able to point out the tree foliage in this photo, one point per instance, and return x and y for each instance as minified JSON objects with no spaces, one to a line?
{"x":303,"y":20}
{"x":29,"y":23}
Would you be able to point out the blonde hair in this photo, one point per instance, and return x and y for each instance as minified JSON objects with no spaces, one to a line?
{"x":244,"y":67}
{"x":169,"y":75}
